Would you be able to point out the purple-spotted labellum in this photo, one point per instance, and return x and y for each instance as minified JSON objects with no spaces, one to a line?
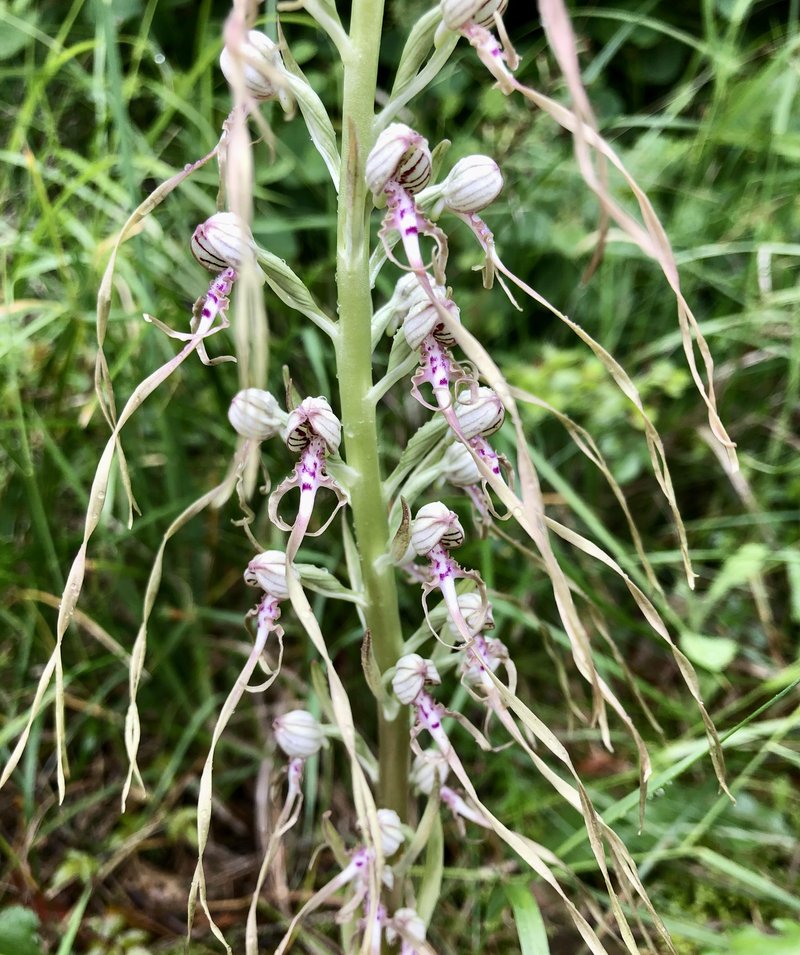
{"x":472,"y":19}
{"x":429,"y":715}
{"x":313,"y":431}
{"x":434,"y":531}
{"x":214,"y":307}
{"x":458,"y":13}
{"x":424,"y":327}
{"x":210,"y":309}
{"x":267,"y":571}
{"x":219,"y":244}
{"x":398,"y":166}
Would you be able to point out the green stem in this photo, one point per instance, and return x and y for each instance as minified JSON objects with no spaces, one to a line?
{"x":354,"y":367}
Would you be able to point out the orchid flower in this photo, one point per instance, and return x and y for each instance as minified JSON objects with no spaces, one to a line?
{"x":431,"y":767}
{"x":314,"y":431}
{"x":398,"y":166}
{"x":288,"y":817}
{"x":356,"y":875}
{"x":434,"y":531}
{"x":472,"y":18}
{"x":268,"y":571}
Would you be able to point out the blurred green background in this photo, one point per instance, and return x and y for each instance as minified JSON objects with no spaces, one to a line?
{"x":100,"y":102}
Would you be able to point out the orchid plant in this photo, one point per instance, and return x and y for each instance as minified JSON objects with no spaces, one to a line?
{"x":396,"y":536}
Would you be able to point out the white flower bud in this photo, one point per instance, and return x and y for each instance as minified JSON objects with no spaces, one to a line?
{"x":313,"y":416}
{"x":298,"y":734}
{"x":411,"y":675}
{"x":392,"y":835}
{"x":435,"y":524}
{"x":223,"y":241}
{"x":407,"y":291}
{"x":399,"y":155}
{"x":257,"y":51}
{"x":268,"y":571}
{"x":472,"y":184}
{"x":423,"y":318}
{"x":459,"y":467}
{"x":255,"y":414}
{"x":427,"y":767}
{"x":476,"y":611}
{"x":457,"y":13}
{"x":479,"y":413}
{"x":406,"y":924}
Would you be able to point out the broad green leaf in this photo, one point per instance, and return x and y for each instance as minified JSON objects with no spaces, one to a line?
{"x":530,"y":924}
{"x":740,"y":567}
{"x":431,"y":885}
{"x":749,"y":941}
{"x":19,"y":932}
{"x":711,"y":653}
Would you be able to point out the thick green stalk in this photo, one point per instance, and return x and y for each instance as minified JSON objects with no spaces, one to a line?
{"x":354,"y":367}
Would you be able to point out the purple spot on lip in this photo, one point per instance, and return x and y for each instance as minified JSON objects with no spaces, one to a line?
{"x":306,"y":487}
{"x":411,"y":230}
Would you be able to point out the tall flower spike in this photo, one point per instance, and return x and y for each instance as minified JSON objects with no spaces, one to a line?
{"x":433,"y":531}
{"x":398,"y":166}
{"x":314,"y":431}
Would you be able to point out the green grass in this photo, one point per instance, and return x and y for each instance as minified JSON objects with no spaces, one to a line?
{"x":703,"y":107}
